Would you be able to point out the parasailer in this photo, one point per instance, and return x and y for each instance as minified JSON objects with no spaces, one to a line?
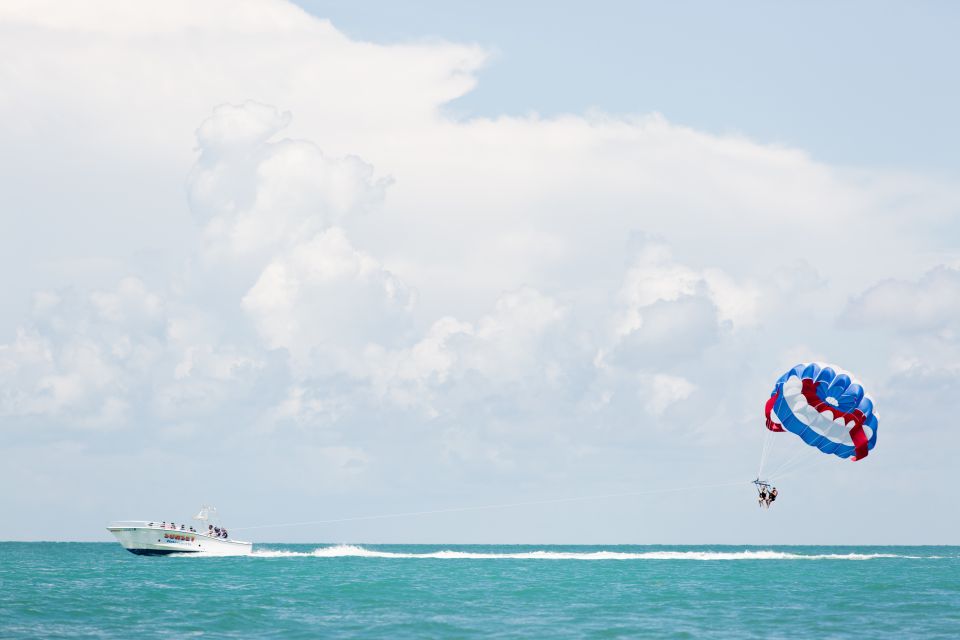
{"x":771,"y":496}
{"x":761,"y":492}
{"x":824,"y":406}
{"x":766,"y":493}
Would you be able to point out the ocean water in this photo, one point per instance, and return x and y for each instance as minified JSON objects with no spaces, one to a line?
{"x":69,"y":590}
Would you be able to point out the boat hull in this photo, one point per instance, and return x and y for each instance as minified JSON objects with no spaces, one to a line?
{"x":146,"y":540}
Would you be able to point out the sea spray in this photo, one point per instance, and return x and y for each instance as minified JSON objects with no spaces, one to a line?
{"x":356,"y":551}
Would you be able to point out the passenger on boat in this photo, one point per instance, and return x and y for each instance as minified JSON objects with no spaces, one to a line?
{"x":210,"y":530}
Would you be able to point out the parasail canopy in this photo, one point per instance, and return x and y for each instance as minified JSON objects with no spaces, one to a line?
{"x":826,"y":407}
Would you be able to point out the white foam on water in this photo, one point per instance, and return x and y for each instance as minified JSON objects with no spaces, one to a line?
{"x":354,"y":551}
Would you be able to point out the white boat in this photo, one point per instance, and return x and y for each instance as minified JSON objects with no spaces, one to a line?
{"x":161,"y":538}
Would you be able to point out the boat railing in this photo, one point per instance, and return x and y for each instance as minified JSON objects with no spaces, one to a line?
{"x":129,"y":523}
{"x":166,"y":526}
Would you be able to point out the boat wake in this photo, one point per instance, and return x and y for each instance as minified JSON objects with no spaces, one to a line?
{"x":354,"y":551}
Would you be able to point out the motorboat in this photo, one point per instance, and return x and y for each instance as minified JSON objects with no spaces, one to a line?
{"x":160,"y":538}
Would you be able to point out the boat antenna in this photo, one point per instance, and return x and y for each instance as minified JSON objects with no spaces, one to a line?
{"x":206,"y":513}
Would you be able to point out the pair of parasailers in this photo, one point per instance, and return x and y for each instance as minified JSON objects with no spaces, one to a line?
{"x":768,"y":495}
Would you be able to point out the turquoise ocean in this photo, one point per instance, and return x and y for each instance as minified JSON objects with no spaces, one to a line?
{"x":89,"y":590}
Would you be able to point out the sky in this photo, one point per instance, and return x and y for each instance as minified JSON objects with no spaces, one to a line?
{"x":336,"y":261}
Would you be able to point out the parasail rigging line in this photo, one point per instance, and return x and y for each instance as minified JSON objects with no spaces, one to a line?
{"x":767,"y":446}
{"x":493,"y":506}
{"x":797,"y":461}
{"x":802,"y":464}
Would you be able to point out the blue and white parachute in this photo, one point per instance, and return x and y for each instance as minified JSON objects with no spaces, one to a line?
{"x":826,"y":407}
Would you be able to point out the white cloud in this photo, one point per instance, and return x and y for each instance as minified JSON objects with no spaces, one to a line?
{"x":257,"y":198}
{"x":655,"y":277}
{"x":205,"y":361}
{"x":144,"y":77}
{"x":326,"y":293}
{"x":507,"y":340}
{"x":131,"y":303}
{"x":115,"y":357}
{"x":669,"y":331}
{"x":671,"y":311}
{"x":307,"y":406}
{"x":661,"y":391}
{"x":918,"y":322}
{"x":509,"y":348}
{"x":929,"y":304}
{"x":239,"y":128}
{"x":73,"y":365}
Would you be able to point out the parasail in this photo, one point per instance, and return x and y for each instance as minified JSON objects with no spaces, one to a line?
{"x":826,"y":407}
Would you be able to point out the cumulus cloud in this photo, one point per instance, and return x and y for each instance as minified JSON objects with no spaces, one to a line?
{"x":669,"y":330}
{"x":919,"y":320}
{"x":261,"y":49}
{"x":240,"y":128}
{"x":671,"y":311}
{"x":256,"y":198}
{"x":512,"y":347}
{"x":931,"y":303}
{"x":326,"y":292}
{"x":76,"y":361}
{"x":116,"y":357}
{"x":661,"y":391}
